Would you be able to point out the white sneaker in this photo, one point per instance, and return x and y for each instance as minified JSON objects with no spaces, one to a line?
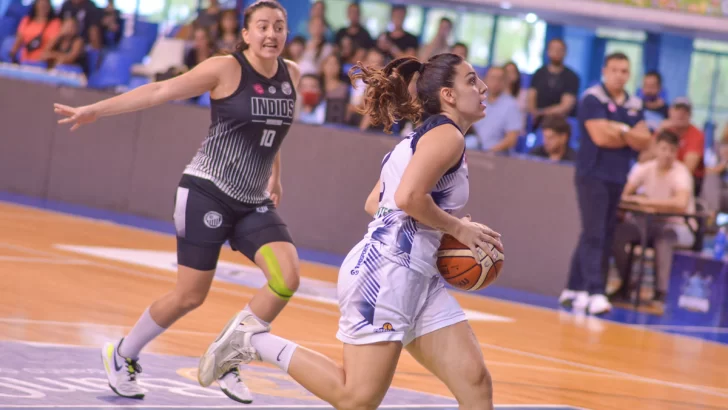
{"x":232,"y":385}
{"x":231,"y":348}
{"x":568,"y":297}
{"x":581,"y":301}
{"x":121,"y":372}
{"x":598,"y":305}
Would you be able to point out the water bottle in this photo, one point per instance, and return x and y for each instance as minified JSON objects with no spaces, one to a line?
{"x":719,"y":245}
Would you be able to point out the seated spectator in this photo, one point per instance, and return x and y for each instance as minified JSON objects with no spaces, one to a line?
{"x":317,"y":10}
{"x":667,"y":187}
{"x":88,"y":17}
{"x":403,"y":43}
{"x":554,"y":86}
{"x":513,"y":80}
{"x":656,"y":109}
{"x":36,"y":31}
{"x":334,"y":86}
{"x":721,"y":170}
{"x":67,"y":48}
{"x":313,"y":106}
{"x":438,"y":45}
{"x":203,"y":48}
{"x":384,"y":45}
{"x":359,"y":38}
{"x":317,"y":48}
{"x":692,"y":140}
{"x":460,"y":49}
{"x":374,"y":58}
{"x":229,"y":29}
{"x":208,"y":19}
{"x":294,"y":49}
{"x":498,"y":131}
{"x":556,"y":135}
{"x":111,"y":24}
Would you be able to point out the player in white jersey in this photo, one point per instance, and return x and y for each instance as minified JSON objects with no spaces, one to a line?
{"x":390,"y":293}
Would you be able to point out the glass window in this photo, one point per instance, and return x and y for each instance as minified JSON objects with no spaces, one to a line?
{"x":375,"y":16}
{"x":621,"y":34}
{"x":634,"y":52}
{"x":475,"y":31}
{"x":432,"y":23}
{"x":414,"y":19}
{"x":702,"y":68}
{"x":521,"y":42}
{"x":336,"y":13}
{"x":710,"y":45}
{"x":721,"y":91}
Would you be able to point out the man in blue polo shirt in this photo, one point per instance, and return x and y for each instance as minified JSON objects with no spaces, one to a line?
{"x":613,"y":131}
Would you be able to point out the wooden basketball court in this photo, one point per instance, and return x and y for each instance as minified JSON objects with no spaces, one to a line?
{"x":66,"y":281}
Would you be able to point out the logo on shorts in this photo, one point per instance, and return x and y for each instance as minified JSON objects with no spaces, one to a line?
{"x":386,"y":327}
{"x":262,"y":209}
{"x":286,"y":88}
{"x":355,"y":271}
{"x":213,"y":220}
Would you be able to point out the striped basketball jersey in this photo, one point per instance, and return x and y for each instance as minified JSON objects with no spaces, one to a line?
{"x":405,"y":240}
{"x":246,"y":131}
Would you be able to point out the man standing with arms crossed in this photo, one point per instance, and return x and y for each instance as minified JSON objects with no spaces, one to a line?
{"x":613,"y":132}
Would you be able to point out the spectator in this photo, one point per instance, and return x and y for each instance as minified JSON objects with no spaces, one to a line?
{"x":667,"y":187}
{"x":403,"y":43}
{"x":498,"y":131}
{"x":229,"y":29}
{"x":384,"y":44}
{"x":692,"y":140}
{"x":313,"y":106}
{"x":36,"y":31}
{"x":208,"y":19}
{"x":554,"y":87}
{"x":656,"y":109}
{"x":438,"y":45}
{"x":613,"y":130}
{"x":348,"y":53}
{"x":359,"y":36}
{"x":513,"y":87}
{"x":88,"y":17}
{"x":556,"y":135}
{"x":294,"y":49}
{"x":202,"y":49}
{"x":111,"y":24}
{"x":721,"y":170}
{"x":67,"y":47}
{"x":316,"y":47}
{"x":334,"y":86}
{"x":318,"y":10}
{"x":374,"y":58}
{"x":460,"y":49}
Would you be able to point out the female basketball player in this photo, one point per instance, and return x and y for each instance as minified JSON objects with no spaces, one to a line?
{"x":230,"y":189}
{"x":390,"y":292}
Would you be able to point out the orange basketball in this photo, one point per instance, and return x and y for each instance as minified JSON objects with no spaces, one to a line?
{"x":460,"y":269}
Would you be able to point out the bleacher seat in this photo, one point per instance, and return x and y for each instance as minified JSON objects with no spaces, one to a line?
{"x":41,"y":64}
{"x":69,"y":68}
{"x":8,"y":26}
{"x":6,"y":45}
{"x":575,"y":133}
{"x":115,"y":70}
{"x":92,"y":58}
{"x":146,"y":30}
{"x":18,"y":10}
{"x":137,"y":81}
{"x":136,"y":47}
{"x":204,"y":99}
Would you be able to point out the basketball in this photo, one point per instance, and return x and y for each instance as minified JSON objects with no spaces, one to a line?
{"x":461,"y":269}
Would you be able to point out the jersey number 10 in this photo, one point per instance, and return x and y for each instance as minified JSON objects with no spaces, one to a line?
{"x":268,"y":137}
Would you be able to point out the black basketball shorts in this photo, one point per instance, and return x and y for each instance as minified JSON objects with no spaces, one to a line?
{"x":205,"y":217}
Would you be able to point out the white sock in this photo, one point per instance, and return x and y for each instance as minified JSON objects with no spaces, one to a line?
{"x":247,"y":309}
{"x":143,"y":332}
{"x":273,"y":349}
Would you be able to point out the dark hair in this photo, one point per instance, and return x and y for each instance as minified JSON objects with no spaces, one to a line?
{"x":260,"y":4}
{"x":317,"y":78}
{"x":669,"y":137}
{"x":445,"y":19}
{"x":463,"y":45}
{"x":558,"y":40}
{"x":322,"y":42}
{"x":399,"y":7}
{"x":619,"y":56}
{"x":51,"y":13}
{"x":557,"y":124}
{"x":656,"y":74}
{"x":387,"y":98}
{"x":220,"y":28}
{"x":515,"y":87}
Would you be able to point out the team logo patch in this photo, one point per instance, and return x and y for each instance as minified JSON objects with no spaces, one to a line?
{"x":272,"y":89}
{"x":258,"y":89}
{"x":286,"y":88}
{"x":386,"y":327}
{"x":261,"y":209}
{"x":213,"y":220}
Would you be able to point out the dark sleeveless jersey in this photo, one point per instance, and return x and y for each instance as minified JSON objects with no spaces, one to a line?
{"x":246,"y":132}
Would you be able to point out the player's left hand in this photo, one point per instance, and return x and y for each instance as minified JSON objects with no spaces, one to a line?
{"x":276,"y":191}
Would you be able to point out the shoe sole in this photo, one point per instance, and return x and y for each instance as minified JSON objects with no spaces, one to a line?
{"x":107,"y":350}
{"x":206,"y":369}
{"x":231,"y":396}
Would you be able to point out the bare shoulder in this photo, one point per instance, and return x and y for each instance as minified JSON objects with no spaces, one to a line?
{"x":294,"y":70}
{"x":444,"y":140}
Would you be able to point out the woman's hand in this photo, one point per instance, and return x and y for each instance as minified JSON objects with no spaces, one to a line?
{"x":77,"y":116}
{"x":477,"y":236}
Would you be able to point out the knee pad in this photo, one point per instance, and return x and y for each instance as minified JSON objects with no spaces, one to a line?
{"x":276,"y":283}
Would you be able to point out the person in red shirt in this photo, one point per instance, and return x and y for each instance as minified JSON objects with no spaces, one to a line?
{"x":692,"y":140}
{"x":36,"y":31}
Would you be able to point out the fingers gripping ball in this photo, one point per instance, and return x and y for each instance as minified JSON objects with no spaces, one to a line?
{"x":462,"y":270}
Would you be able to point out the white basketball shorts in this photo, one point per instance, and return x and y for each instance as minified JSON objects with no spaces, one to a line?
{"x":381,"y":300}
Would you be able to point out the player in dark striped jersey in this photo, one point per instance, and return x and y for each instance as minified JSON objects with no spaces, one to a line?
{"x":228,"y":192}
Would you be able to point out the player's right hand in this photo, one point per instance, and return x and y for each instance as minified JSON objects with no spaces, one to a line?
{"x":76,"y":116}
{"x":477,"y":236}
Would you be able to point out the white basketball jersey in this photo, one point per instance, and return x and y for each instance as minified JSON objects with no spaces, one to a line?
{"x":409,"y":242}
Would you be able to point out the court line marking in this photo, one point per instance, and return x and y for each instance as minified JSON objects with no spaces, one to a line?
{"x":273,"y":406}
{"x":22,"y":259}
{"x":707,"y":390}
{"x":707,"y":329}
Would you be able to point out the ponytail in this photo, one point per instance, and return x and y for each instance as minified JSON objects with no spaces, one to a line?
{"x":387,"y":98}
